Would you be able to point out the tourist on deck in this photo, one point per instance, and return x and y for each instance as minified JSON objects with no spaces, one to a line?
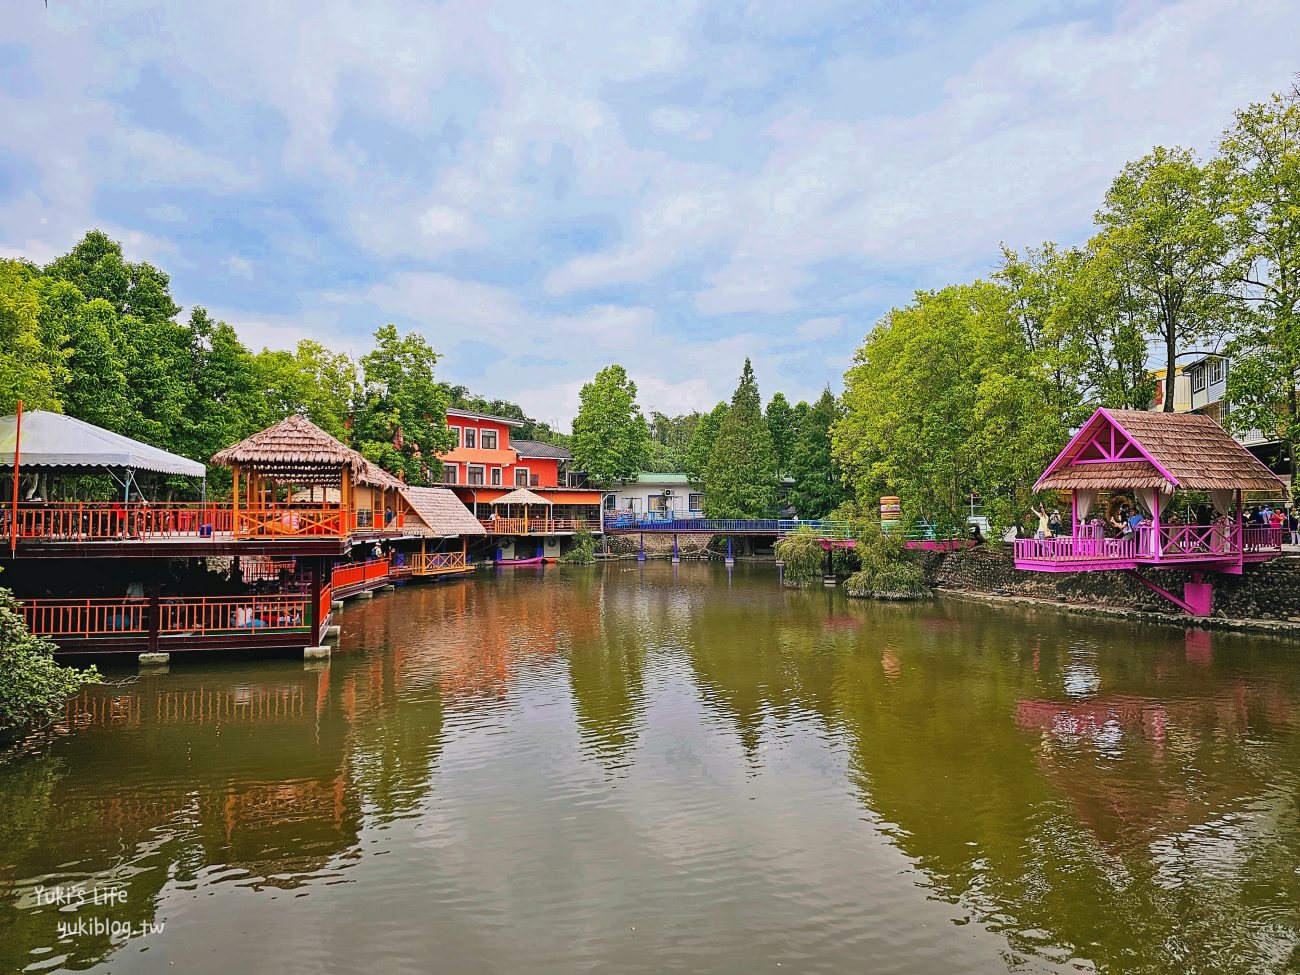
{"x":1054,"y":523}
{"x":1044,"y":521}
{"x":1293,"y":524}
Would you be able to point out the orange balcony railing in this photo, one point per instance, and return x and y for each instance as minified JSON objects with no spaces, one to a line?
{"x":183,"y":615}
{"x":436,"y":563}
{"x":537,"y":526}
{"x":344,"y":576}
{"x":198,"y":615}
{"x":110,"y":521}
{"x":85,"y":617}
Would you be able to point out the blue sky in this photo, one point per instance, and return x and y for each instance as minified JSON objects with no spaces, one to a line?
{"x":543,"y":189}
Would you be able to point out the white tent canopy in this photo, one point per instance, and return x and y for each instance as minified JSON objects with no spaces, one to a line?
{"x":54,"y":440}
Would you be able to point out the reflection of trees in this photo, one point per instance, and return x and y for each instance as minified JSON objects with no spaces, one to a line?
{"x":245,"y":770}
{"x":1138,"y":831}
{"x":607,"y":667}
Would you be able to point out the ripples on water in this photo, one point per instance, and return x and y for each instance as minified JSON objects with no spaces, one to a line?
{"x":626,"y":769}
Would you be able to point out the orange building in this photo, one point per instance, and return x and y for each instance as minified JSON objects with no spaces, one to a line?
{"x":489,"y":462}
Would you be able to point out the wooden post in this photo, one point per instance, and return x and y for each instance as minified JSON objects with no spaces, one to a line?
{"x":18,"y":442}
{"x":318,"y":570}
{"x":234,"y":513}
{"x":155,"y":622}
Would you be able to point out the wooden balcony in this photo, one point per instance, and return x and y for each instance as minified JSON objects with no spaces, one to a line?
{"x":174,"y":623}
{"x":350,"y":579}
{"x":438,"y":563}
{"x":538,"y":526}
{"x":1213,"y":546}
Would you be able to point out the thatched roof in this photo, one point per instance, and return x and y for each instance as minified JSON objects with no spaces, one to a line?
{"x":520,"y":496}
{"x":440,"y":513}
{"x":295,"y":449}
{"x":1187,"y":450}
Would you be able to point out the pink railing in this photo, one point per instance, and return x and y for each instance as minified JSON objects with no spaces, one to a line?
{"x":1173,"y":543}
{"x":1083,"y":548}
{"x":1265,"y":539}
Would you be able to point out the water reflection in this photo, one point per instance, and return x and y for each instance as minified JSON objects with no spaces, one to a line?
{"x":639,"y":767}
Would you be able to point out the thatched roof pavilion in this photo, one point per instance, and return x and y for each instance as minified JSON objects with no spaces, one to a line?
{"x":1150,"y":455}
{"x":295,"y":454}
{"x":296,"y":451}
{"x":1164,"y":451}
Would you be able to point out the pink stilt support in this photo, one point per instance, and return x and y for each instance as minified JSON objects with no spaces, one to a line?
{"x":1198,"y":595}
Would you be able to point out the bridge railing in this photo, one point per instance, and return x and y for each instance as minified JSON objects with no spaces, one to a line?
{"x":823,"y":528}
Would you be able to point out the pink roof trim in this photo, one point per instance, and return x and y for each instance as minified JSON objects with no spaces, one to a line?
{"x":1086,"y":432}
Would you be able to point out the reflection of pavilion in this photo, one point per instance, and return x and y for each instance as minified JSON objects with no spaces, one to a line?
{"x":1150,"y":781}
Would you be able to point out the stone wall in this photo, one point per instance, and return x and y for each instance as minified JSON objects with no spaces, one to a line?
{"x":1268,"y":591}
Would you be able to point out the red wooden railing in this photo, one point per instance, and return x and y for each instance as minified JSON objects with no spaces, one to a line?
{"x":323,"y":608}
{"x":359,"y":572}
{"x":193,"y":615}
{"x":110,"y":521}
{"x":85,"y":617}
{"x":537,"y":526}
{"x":204,"y":614}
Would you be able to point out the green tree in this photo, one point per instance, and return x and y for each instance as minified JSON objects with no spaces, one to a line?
{"x":701,"y":445}
{"x":611,"y":440}
{"x":33,"y":688}
{"x":1260,"y":168}
{"x":225,"y":401}
{"x":32,"y":368}
{"x":401,"y":420}
{"x":909,"y":402}
{"x":818,"y":489}
{"x":671,"y":441}
{"x":740,"y":480}
{"x":781,"y":424}
{"x":1161,"y":233}
{"x":311,"y":380}
{"x":97,"y":390}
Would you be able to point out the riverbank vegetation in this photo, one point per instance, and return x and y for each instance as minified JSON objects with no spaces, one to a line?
{"x":802,"y":558}
{"x":33,"y":687}
{"x":889,"y":571}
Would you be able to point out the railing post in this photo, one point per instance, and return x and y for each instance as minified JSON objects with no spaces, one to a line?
{"x":154,"y":609}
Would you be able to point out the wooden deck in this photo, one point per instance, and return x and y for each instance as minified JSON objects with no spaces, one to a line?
{"x":1173,"y":546}
{"x":177,"y":624}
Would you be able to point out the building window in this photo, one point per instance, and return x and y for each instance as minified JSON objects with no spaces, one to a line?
{"x":496,"y":477}
{"x":470,"y":436}
{"x":610,"y":501}
{"x":449,"y":472}
{"x":475,"y":473}
{"x":1216,"y":371}
{"x":455,"y":431}
{"x":488,"y":441}
{"x":534,"y":480}
{"x":521,"y":477}
{"x":1198,"y":379}
{"x":695,"y":502}
{"x":656,"y":502}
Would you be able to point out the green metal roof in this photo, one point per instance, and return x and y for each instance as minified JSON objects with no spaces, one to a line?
{"x":662,"y":479}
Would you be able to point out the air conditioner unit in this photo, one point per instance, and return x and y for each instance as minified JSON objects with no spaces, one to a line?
{"x":668,"y":492}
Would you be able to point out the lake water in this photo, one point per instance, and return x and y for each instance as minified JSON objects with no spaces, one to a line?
{"x":626,"y":769}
